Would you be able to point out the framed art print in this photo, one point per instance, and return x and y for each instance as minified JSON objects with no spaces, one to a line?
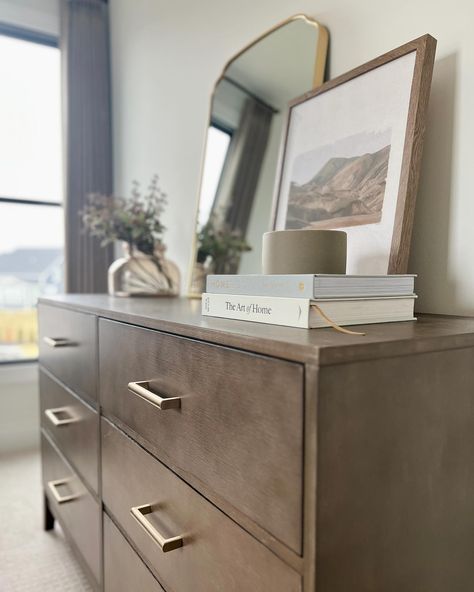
{"x":352,"y":154}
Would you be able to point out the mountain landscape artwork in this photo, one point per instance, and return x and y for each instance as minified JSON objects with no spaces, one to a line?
{"x":339,"y":185}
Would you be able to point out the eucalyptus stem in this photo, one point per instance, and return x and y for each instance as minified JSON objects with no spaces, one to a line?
{"x":136,"y":220}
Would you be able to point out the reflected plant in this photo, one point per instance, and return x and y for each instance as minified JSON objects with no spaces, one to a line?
{"x":220,"y":245}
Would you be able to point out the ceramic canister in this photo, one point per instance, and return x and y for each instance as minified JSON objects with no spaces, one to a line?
{"x":304,"y":251}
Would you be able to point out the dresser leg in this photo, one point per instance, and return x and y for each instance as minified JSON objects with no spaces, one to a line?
{"x":48,"y":516}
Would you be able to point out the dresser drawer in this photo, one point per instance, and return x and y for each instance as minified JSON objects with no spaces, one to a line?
{"x":155,"y":508}
{"x":73,"y":426}
{"x":124,"y":571}
{"x":70,"y":502}
{"x":67,"y":347}
{"x":239,"y":425}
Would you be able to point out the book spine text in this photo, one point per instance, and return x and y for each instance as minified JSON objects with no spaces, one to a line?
{"x":292,"y":312}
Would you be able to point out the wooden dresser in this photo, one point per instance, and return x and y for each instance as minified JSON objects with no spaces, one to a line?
{"x":192,"y":454}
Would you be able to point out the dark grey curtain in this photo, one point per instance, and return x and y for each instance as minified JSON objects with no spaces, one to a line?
{"x":248,"y":149}
{"x":88,"y":140}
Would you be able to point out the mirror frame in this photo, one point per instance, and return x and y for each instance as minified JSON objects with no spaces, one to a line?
{"x":318,"y":79}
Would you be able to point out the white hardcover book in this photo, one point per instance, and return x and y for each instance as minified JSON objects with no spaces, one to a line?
{"x":300,"y":312}
{"x":312,"y":286}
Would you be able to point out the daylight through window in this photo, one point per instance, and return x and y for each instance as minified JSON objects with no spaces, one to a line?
{"x":31,"y":214}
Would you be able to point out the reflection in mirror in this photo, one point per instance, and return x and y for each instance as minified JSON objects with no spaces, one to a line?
{"x":248,"y":108}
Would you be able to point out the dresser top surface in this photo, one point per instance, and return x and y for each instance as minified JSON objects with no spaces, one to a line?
{"x":182,"y":316}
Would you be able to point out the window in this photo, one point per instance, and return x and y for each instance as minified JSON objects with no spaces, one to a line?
{"x":217,"y":145}
{"x":31,"y":214}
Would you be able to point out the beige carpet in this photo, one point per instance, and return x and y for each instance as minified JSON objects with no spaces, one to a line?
{"x":31,"y":559}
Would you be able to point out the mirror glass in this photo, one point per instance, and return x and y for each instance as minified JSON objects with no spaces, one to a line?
{"x":248,"y":110}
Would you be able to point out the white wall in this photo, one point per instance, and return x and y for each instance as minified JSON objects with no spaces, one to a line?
{"x":19,"y":407}
{"x":167,"y":55}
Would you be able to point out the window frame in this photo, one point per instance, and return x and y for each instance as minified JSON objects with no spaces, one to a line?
{"x":26,"y":34}
{"x":32,"y":36}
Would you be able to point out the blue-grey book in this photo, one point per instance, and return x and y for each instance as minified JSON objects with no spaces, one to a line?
{"x":312,"y":286}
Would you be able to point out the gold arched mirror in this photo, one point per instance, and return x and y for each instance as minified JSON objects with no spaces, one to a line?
{"x":248,"y":109}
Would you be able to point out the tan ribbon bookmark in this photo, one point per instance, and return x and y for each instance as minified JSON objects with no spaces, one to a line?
{"x":335,"y":325}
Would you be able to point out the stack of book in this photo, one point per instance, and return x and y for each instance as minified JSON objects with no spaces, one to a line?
{"x":311,"y":301}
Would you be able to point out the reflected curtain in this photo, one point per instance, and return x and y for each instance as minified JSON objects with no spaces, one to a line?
{"x":84,"y":43}
{"x":244,"y":163}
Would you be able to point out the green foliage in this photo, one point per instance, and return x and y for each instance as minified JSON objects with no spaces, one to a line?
{"x":135,"y":220}
{"x":223,"y":245}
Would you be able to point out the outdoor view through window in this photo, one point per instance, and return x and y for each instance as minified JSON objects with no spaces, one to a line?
{"x":31,"y":216}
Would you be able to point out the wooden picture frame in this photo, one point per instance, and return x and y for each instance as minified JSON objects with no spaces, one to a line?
{"x":401,"y":158}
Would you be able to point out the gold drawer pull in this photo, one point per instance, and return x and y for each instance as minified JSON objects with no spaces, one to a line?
{"x":142,"y":389}
{"x":61,"y":499}
{"x":54,"y":416}
{"x":139,"y":513}
{"x":58,"y":341}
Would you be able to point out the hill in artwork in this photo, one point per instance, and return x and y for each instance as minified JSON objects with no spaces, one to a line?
{"x":344,"y":192}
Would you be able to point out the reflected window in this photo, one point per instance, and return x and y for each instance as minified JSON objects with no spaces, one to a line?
{"x":218,"y":140}
{"x":31,"y":214}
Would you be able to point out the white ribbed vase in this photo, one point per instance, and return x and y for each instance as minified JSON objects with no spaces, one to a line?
{"x":139,"y":274}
